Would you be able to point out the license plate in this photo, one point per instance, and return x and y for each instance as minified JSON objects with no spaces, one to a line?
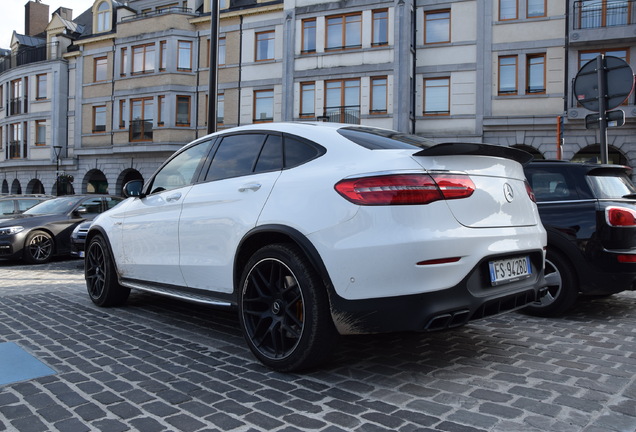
{"x":509,"y":270}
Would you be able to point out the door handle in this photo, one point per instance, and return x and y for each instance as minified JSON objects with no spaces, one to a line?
{"x":250,"y":186}
{"x":174,"y":197}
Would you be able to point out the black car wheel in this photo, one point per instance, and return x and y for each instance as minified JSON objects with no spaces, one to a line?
{"x":101,"y":277}
{"x":562,"y":287}
{"x":284,"y":309}
{"x":38,"y":247}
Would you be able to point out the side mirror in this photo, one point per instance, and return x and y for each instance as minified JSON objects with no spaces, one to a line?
{"x":134,"y":188}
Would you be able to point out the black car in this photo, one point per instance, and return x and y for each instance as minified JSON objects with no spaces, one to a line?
{"x":78,"y":238}
{"x":44,"y":230}
{"x":15,"y":204}
{"x":589,"y":212}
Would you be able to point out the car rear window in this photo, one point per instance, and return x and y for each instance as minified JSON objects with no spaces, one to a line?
{"x":611,"y":186}
{"x":551,"y":186}
{"x":382,"y":139}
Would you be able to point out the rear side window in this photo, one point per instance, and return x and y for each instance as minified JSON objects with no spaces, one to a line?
{"x":6,"y":207}
{"x":298,"y":151}
{"x":382,"y":139}
{"x":25,"y":204}
{"x":552,"y":186}
{"x":611,"y":186}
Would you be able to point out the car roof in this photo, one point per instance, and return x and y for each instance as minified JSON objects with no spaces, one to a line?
{"x":583,"y":166}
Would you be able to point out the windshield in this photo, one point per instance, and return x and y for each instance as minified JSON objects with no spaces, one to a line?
{"x":54,"y":206}
{"x":611,"y":186}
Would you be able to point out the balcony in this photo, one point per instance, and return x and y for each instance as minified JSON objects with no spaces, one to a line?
{"x":160,"y":12}
{"x":140,"y":130}
{"x":14,"y":149}
{"x":603,"y":21}
{"x":18,"y":106}
{"x":342,"y":114}
{"x":29,"y":55}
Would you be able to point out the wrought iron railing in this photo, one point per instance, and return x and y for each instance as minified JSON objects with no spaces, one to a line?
{"x":17,"y":106}
{"x":342,"y":114}
{"x":159,"y":12}
{"x":603,"y":13}
{"x":30,"y":55}
{"x":140,"y":130}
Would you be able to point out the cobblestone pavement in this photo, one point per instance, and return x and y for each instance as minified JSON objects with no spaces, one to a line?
{"x":163,"y":365}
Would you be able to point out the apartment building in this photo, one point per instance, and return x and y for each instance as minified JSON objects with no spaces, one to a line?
{"x":119,"y":88}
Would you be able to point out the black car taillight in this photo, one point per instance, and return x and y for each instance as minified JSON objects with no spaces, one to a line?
{"x":620,"y":217}
{"x":405,"y":189}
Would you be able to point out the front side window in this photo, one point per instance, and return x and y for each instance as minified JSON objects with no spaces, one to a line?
{"x":184,"y":56}
{"x":263,"y":106}
{"x":508,"y":75}
{"x":183,"y":111}
{"x":143,"y":59}
{"x":103,"y":17}
{"x":265,"y":46}
{"x":437,"y":96}
{"x":181,"y":170}
{"x":437,"y":27}
{"x":380,"y":27}
{"x":378,"y":95}
{"x":41,"y":86}
{"x":536,"y":73}
{"x":508,"y":10}
{"x":344,"y":31}
{"x":309,"y":36}
{"x":307,"y":98}
{"x":99,"y":118}
{"x":101,"y":65}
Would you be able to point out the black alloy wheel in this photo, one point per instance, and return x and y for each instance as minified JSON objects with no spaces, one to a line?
{"x":562,"y":288}
{"x":101,"y":278}
{"x":284,"y":309}
{"x":38,"y":247}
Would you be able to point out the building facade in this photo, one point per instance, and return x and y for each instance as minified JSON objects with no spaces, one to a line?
{"x":106,"y":97}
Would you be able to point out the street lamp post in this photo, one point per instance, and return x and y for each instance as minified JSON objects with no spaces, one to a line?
{"x":58,"y":151}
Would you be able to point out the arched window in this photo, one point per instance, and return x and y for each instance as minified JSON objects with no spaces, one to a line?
{"x":103,"y":17}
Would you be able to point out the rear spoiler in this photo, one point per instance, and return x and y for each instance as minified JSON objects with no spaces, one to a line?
{"x":476,"y":149}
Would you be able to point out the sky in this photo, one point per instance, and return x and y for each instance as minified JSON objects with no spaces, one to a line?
{"x":12,"y":15}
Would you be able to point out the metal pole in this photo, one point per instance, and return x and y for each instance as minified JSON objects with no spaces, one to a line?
{"x":214,"y":56}
{"x":601,"y":73}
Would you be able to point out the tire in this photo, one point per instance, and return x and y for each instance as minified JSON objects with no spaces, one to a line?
{"x":101,"y":277}
{"x":38,"y":247}
{"x":562,"y":287}
{"x":284,"y":309}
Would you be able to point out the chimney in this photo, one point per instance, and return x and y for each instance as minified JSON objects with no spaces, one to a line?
{"x":65,"y":13}
{"x":36,"y":17}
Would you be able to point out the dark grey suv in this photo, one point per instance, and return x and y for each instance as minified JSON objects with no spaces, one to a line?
{"x":589,"y":212}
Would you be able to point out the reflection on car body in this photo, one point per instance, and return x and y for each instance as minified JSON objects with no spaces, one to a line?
{"x":315,"y":230}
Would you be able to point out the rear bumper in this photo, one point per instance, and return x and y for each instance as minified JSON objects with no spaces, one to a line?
{"x":473,"y":298}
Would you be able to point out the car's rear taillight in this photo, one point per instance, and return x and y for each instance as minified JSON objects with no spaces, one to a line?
{"x":530,"y":192}
{"x":405,"y":189}
{"x":620,"y":217}
{"x":625,"y":258}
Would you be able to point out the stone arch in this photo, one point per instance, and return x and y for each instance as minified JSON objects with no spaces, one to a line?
{"x":16,"y":188}
{"x":95,"y":182}
{"x":533,"y":151}
{"x":126,"y":176}
{"x":592,"y":153}
{"x":35,"y":186}
{"x":5,"y":186}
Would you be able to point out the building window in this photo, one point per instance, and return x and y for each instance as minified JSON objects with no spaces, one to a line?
{"x":141,"y":119}
{"x":378,"y":95}
{"x":342,"y":101}
{"x":124,"y":61}
{"x":602,"y":13}
{"x":184,"y":56}
{"x":265,"y":45}
{"x":309,"y":36}
{"x":536,"y":73}
{"x":220,"y":109}
{"x":508,"y":75}
{"x":183,"y":111}
{"x":41,"y":84}
{"x":221,"y":52}
{"x":380,"y":27}
{"x":17,"y":100}
{"x":122,"y":114}
{"x":40,"y":132}
{"x":536,"y":8}
{"x":344,"y":31}
{"x":15,"y":141}
{"x":437,"y":96}
{"x":163,"y":55}
{"x":161,"y":110}
{"x":586,"y":56}
{"x":103,"y":17}
{"x":307,"y":99}
{"x":143,"y":59}
{"x":508,"y":10}
{"x":263,"y":106}
{"x":437,"y":27}
{"x":100,"y":71}
{"x":99,"y":118}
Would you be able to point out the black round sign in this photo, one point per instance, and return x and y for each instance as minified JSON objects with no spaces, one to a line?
{"x":619,"y":78}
